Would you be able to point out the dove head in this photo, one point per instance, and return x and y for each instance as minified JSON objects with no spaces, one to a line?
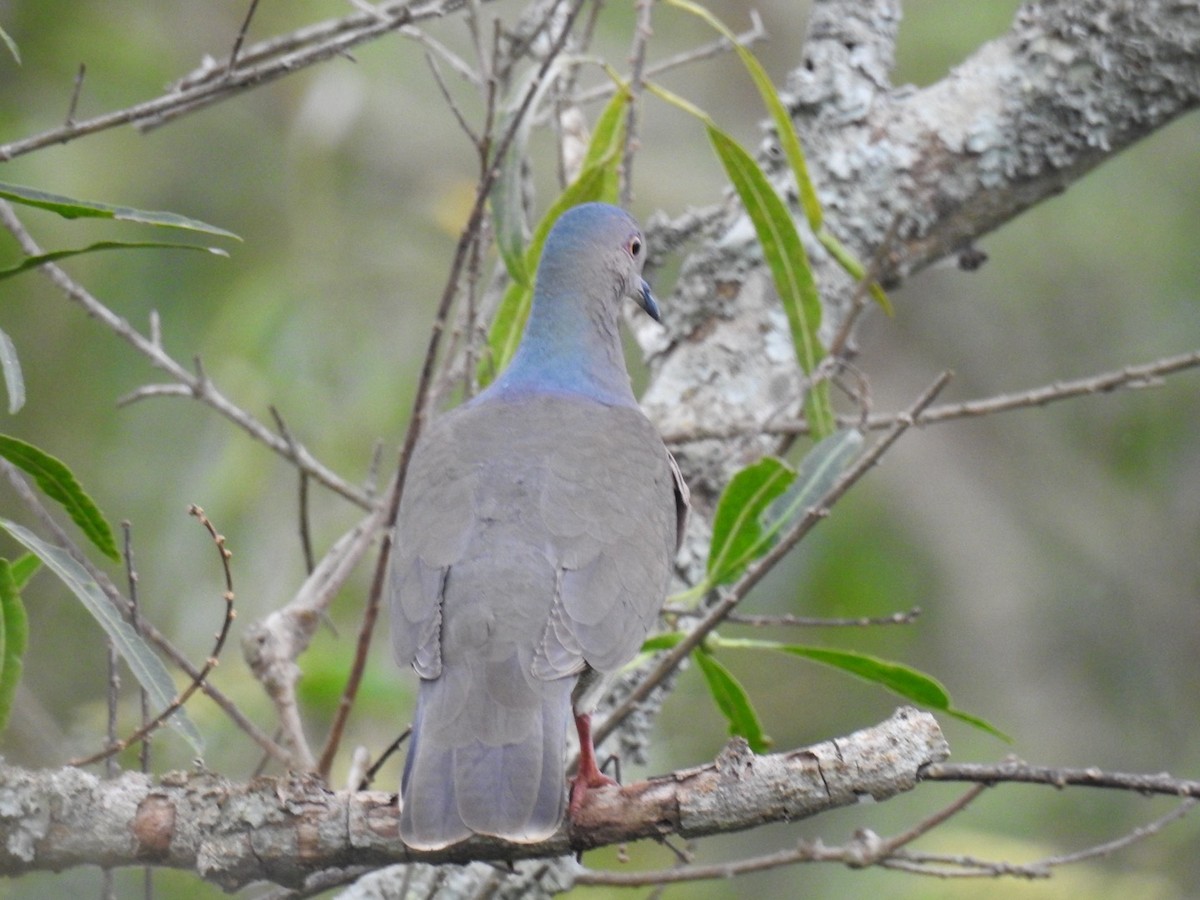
{"x":591,"y":262}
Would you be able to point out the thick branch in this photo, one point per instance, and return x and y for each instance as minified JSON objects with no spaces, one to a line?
{"x":1069,"y":86}
{"x":286,"y":829}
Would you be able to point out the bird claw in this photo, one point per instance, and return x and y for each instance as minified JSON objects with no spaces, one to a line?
{"x":584,"y":782}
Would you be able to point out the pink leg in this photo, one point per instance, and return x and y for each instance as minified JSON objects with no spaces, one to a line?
{"x":589,"y":775}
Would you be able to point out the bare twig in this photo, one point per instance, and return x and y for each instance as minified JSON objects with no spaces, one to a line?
{"x":1014,"y":770}
{"x":76,"y":89}
{"x":905,"y":617}
{"x":450,"y":101}
{"x":704,"y":51}
{"x":135,"y":620}
{"x":1128,"y":378}
{"x":369,"y":776}
{"x":260,"y":64}
{"x":305,"y":533}
{"x":672,"y":658}
{"x":148,"y":631}
{"x":641,"y":37}
{"x":241,"y":36}
{"x":196,"y":385}
{"x":200,"y":678}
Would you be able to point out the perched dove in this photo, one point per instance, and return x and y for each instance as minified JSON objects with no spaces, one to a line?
{"x":532,"y":553}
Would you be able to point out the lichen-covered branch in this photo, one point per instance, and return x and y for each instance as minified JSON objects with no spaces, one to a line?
{"x":1070,"y":85}
{"x":290,"y":828}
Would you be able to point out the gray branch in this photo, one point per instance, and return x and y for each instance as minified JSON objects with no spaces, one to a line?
{"x":286,"y":829}
{"x":1070,"y":85}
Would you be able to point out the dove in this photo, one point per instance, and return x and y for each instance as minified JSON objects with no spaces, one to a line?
{"x":532,"y":552}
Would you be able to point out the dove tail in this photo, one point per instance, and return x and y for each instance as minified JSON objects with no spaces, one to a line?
{"x":515,"y":790}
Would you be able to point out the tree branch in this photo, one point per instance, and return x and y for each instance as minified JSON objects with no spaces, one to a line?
{"x":290,"y":828}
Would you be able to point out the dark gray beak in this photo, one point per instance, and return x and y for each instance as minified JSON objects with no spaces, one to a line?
{"x":648,"y":303}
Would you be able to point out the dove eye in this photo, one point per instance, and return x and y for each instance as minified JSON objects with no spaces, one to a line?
{"x":635,"y":247}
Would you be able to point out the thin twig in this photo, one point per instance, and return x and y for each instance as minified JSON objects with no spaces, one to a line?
{"x":148,"y":631}
{"x":196,"y":385}
{"x":1016,"y":771}
{"x":369,"y":776}
{"x":135,"y":620}
{"x":672,"y":658}
{"x":261,"y":63}
{"x":199,"y":680}
{"x":76,"y":89}
{"x":1137,"y":834}
{"x":906,"y":617}
{"x":748,"y":38}
{"x":450,"y":102}
{"x":1130,"y":377}
{"x":305,"y":533}
{"x":641,"y":37}
{"x":241,"y":36}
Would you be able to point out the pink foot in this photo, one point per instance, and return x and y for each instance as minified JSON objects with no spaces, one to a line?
{"x":589,"y":775}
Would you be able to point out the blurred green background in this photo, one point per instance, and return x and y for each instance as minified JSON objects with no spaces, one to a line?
{"x":1054,"y":551}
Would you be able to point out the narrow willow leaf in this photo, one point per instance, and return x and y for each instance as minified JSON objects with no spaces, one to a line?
{"x":820,"y":468}
{"x":779,"y":114}
{"x":58,"y":483}
{"x":788,"y":262}
{"x":737,"y":528}
{"x":792,"y":150}
{"x":71,"y":208}
{"x":732,"y":700}
{"x":608,"y":137}
{"x":11,"y":45}
{"x":145,"y":666}
{"x":508,"y":211}
{"x":509,"y":320}
{"x":900,"y":679}
{"x":32,"y":262}
{"x":14,"y":637}
{"x":14,"y":382}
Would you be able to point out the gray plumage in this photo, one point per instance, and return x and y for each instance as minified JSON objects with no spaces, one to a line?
{"x":533,"y":545}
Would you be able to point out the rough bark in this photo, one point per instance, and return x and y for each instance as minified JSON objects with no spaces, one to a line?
{"x":286,"y":829}
{"x":1070,"y":85}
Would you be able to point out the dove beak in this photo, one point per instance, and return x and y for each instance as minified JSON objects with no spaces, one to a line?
{"x":646,"y":301}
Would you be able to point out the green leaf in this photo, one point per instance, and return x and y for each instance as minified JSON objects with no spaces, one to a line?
{"x":14,"y":636}
{"x":70,"y":208}
{"x":664,"y":641}
{"x":733,"y":701}
{"x":788,"y":262}
{"x":32,"y":262}
{"x":11,"y":45}
{"x":14,"y":382}
{"x":58,"y":483}
{"x":900,"y":679}
{"x":737,"y":527}
{"x":608,"y":137}
{"x":790,"y":144}
{"x":766,"y":497}
{"x":779,"y":114}
{"x":146,"y":667}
